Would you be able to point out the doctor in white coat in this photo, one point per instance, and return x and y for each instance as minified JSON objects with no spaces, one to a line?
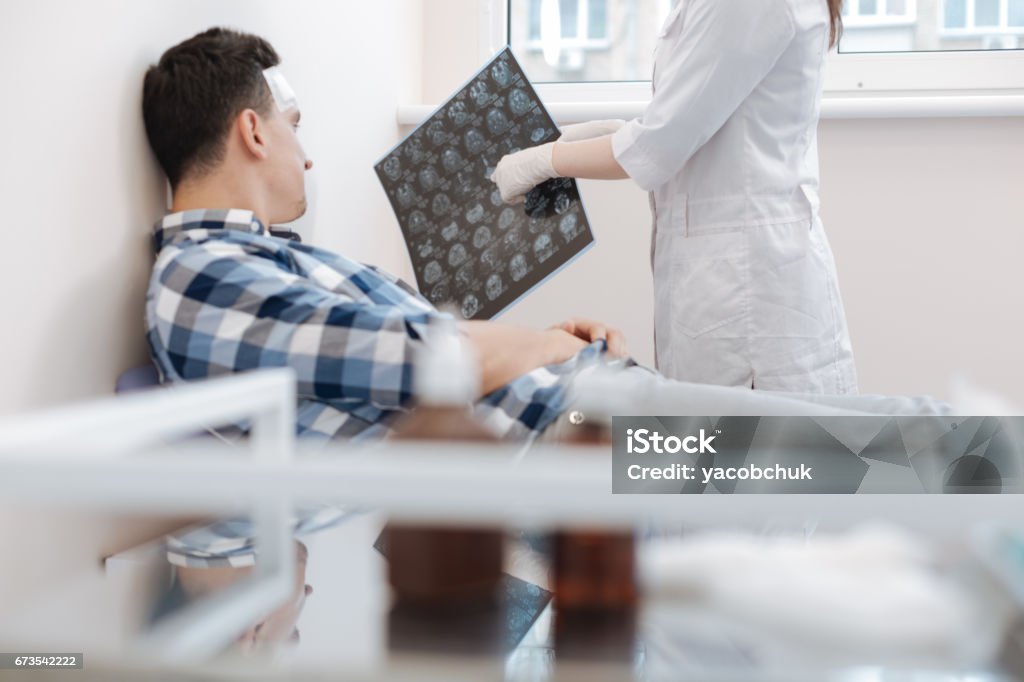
{"x":746,"y":292}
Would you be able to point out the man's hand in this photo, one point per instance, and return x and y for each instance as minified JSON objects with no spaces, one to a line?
{"x":516,"y":174}
{"x":506,"y":352}
{"x":592,"y":330}
{"x":563,"y":344}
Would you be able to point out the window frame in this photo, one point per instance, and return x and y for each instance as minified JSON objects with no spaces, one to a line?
{"x":881,"y":75}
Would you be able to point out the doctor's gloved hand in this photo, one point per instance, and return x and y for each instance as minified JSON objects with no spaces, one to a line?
{"x":589,"y":130}
{"x":516,"y":174}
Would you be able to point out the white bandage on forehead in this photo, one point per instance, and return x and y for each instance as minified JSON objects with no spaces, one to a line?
{"x":284,"y":96}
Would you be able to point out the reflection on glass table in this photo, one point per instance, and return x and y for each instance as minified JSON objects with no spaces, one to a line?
{"x":873,"y":603}
{"x":186,"y":585}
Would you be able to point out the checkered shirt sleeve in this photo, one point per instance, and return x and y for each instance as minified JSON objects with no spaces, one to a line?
{"x":233,"y":303}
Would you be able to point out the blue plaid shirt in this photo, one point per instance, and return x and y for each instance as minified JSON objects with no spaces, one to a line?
{"x":226,"y":297}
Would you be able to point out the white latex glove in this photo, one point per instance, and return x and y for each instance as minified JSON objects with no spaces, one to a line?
{"x":516,"y":174}
{"x":589,"y":130}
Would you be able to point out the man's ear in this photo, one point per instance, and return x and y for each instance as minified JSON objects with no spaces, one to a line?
{"x":252,"y":133}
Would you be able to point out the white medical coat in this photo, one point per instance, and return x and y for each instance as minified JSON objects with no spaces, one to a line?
{"x":745,"y":283}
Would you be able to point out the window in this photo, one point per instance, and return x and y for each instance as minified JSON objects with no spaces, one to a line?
{"x":561,"y":41}
{"x":595,"y":56}
{"x":931,"y":25}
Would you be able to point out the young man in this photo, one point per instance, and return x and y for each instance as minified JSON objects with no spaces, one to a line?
{"x":226,"y":297}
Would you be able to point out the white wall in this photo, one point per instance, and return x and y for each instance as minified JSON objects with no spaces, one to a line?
{"x":926,"y":219}
{"x":79,"y":192}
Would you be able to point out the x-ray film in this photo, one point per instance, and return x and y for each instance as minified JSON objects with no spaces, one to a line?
{"x":468,"y":248}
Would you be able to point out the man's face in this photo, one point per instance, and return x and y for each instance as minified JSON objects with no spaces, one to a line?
{"x":288,"y":164}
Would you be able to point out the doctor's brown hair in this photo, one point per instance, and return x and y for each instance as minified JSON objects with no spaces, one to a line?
{"x":835,"y":12}
{"x":191,"y":96}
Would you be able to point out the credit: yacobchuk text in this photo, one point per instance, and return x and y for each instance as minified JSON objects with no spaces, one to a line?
{"x":752,"y":472}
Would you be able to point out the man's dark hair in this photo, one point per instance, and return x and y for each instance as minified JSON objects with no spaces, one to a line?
{"x":190,"y":97}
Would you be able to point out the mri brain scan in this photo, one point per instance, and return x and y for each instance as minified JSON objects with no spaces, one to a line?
{"x":478,"y":92}
{"x":468,"y":247}
{"x":567,"y":226}
{"x":457,"y":255}
{"x":450,"y":231}
{"x":475,"y":141}
{"x":475,"y":214}
{"x":470,"y":306}
{"x":494,"y":287}
{"x":429,"y":178}
{"x":417,"y":222}
{"x":519,"y":102}
{"x":507,"y":218}
{"x":393,"y":167}
{"x":543,"y":247}
{"x":451,"y":160}
{"x":464,"y":277}
{"x":414,"y":152}
{"x":514,"y":240}
{"x":518,"y":267}
{"x":482,"y":237}
{"x":491,"y":258}
{"x":432,"y":272}
{"x":441,"y":205}
{"x":458,"y":114}
{"x":405,"y":196}
{"x":501,"y":73}
{"x":437,"y":134}
{"x":563,"y":202}
{"x":497,"y":121}
{"x":441,"y":293}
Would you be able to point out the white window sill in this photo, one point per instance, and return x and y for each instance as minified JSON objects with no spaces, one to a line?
{"x":888,"y":22}
{"x":832,"y":108}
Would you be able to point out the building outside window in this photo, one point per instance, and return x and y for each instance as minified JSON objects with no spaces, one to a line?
{"x":983,"y":24}
{"x":586,"y":40}
{"x":932,"y":25}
